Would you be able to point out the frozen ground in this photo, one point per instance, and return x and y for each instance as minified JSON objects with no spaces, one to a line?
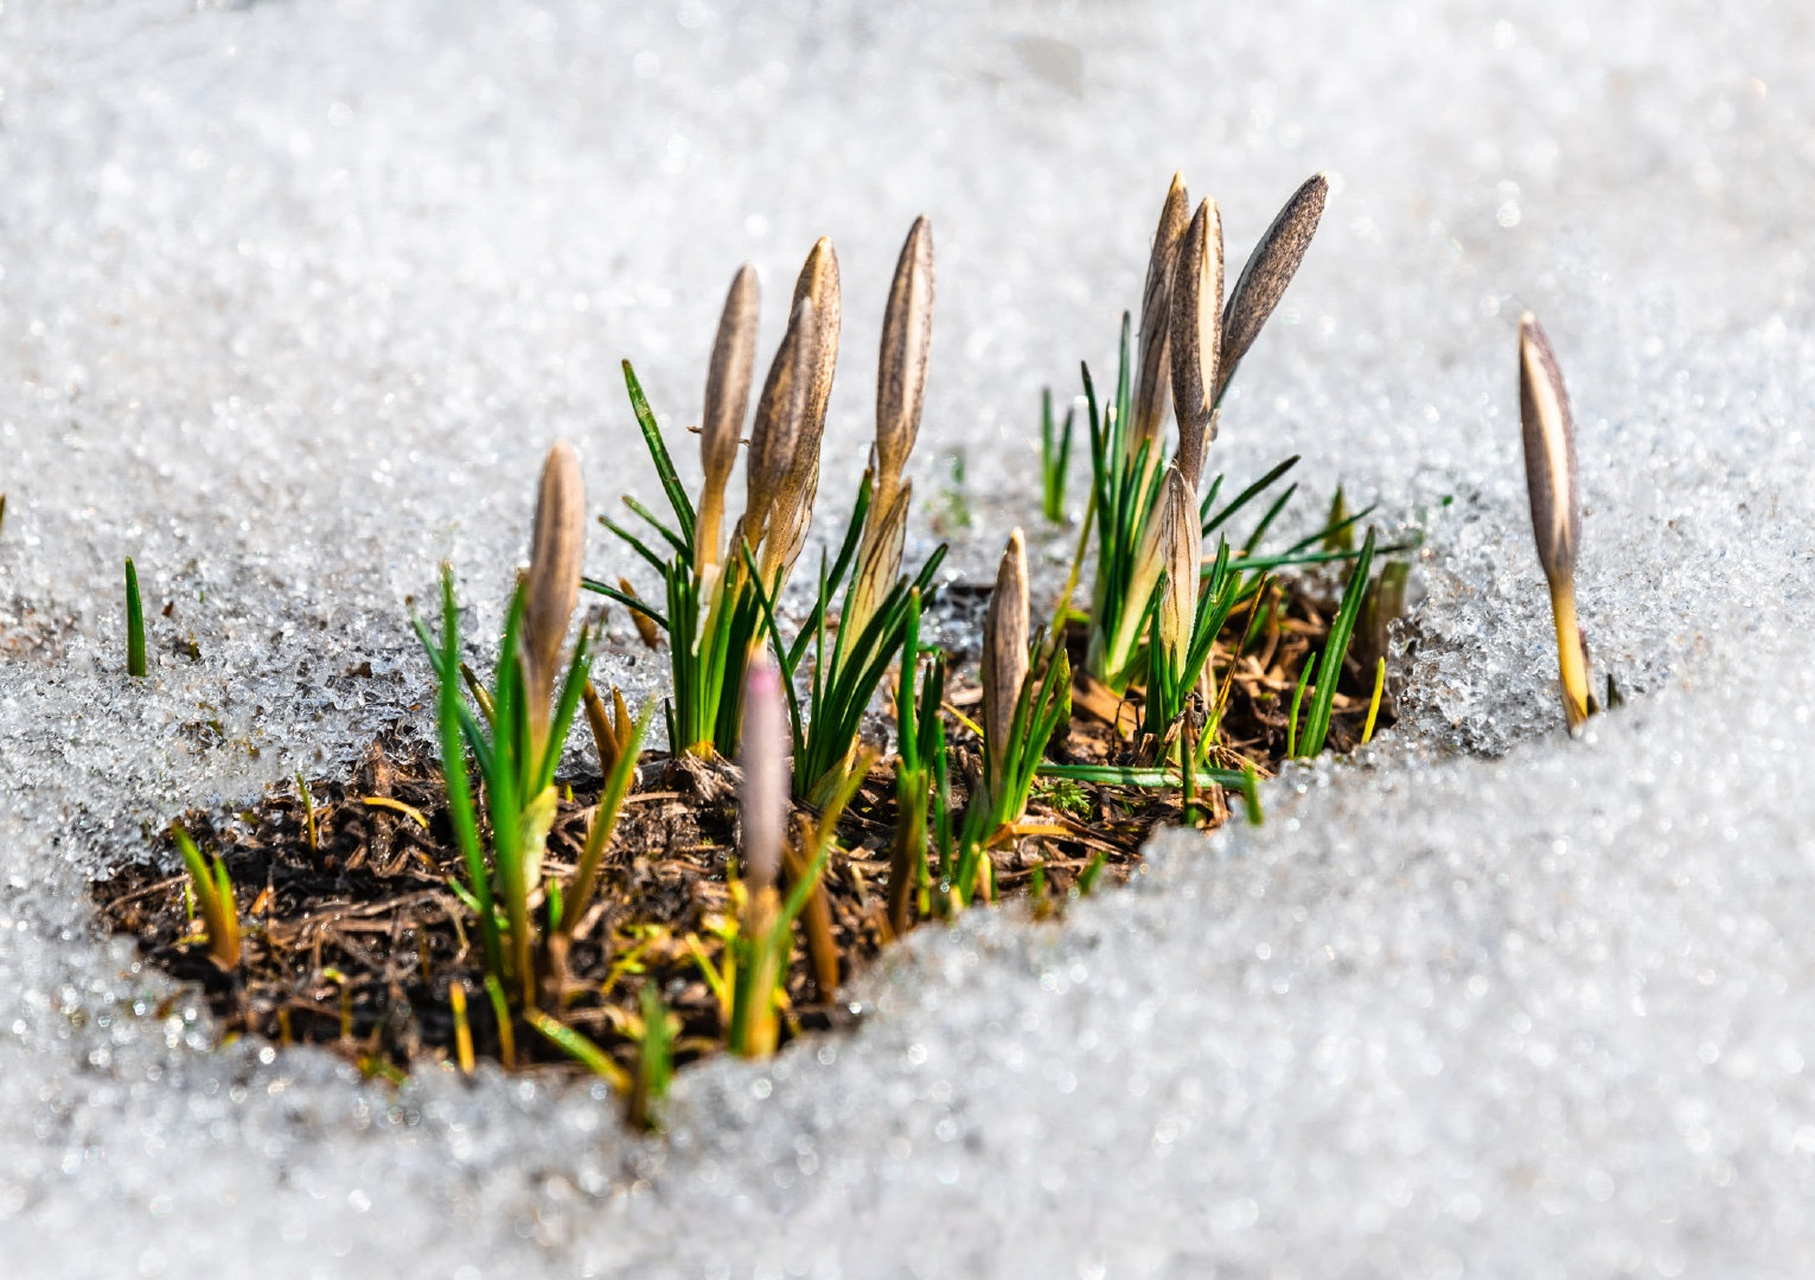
{"x":292,"y":299}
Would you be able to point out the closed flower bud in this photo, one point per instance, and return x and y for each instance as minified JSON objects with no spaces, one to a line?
{"x":1269,"y":270}
{"x":553,"y":583}
{"x":763,"y":803}
{"x":727,"y":401}
{"x":1005,"y":630}
{"x":907,"y":336}
{"x":1153,"y":385}
{"x":1197,"y":300}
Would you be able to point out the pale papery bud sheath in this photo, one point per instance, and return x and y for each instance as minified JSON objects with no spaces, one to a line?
{"x":763,"y":803}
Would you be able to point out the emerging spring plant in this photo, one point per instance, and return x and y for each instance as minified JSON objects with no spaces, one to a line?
{"x":880,"y":606}
{"x":1190,"y":344}
{"x":1556,"y":505}
{"x":713,"y":593}
{"x":213,"y":890}
{"x":722,"y":600}
{"x":135,"y":624}
{"x":1022,"y":709}
{"x":515,"y":734}
{"x":757,"y":959}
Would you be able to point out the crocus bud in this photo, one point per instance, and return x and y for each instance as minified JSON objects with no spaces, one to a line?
{"x":763,"y":754}
{"x":1181,"y":540}
{"x":1197,"y":300}
{"x":1269,"y":270}
{"x":907,"y":337}
{"x":1550,"y":453}
{"x":774,"y":439}
{"x":727,"y":401}
{"x":1556,"y":505}
{"x":1005,"y":664}
{"x":1153,"y":385}
{"x":553,"y":583}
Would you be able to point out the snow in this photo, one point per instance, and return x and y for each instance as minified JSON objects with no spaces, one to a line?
{"x":294,"y":296}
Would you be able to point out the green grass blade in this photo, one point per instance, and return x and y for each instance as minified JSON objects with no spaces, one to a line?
{"x":658,"y":453}
{"x":135,"y":623}
{"x":1247,"y":495}
{"x":1336,"y":650}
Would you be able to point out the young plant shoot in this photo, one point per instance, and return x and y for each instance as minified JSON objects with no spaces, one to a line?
{"x":135,"y":624}
{"x":516,"y":746}
{"x":1022,"y":710}
{"x":878,"y":601}
{"x":1556,"y":504}
{"x":714,"y":593}
{"x":213,"y":890}
{"x":1190,"y":343}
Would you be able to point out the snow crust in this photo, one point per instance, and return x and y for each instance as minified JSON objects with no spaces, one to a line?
{"x":294,"y":296}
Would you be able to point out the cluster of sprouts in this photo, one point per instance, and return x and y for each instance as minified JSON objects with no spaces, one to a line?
{"x":1175,"y":605}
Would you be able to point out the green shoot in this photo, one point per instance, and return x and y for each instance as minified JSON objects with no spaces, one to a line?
{"x":1055,"y":459}
{"x":135,"y":624}
{"x":579,"y":1048}
{"x":1298,"y":697}
{"x":1329,"y":670}
{"x":518,"y":748}
{"x":920,"y":758}
{"x":1367,"y":729}
{"x":213,"y":890}
{"x":655,"y":1059}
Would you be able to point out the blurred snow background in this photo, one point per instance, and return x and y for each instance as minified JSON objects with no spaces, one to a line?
{"x":293,"y":296}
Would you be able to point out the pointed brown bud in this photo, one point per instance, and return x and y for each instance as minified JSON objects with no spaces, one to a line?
{"x":763,"y":755}
{"x":775,"y":437}
{"x":881,"y":563}
{"x":553,"y":583}
{"x":818,"y":282}
{"x":1197,"y":301}
{"x":1181,"y":541}
{"x":1153,"y":385}
{"x":1269,"y":270}
{"x":1550,"y":452}
{"x":907,"y":336}
{"x":1005,"y":665}
{"x":1556,"y":505}
{"x":727,"y":401}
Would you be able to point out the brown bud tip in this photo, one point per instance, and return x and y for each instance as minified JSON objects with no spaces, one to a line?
{"x":1152,"y":386}
{"x":554,"y":567}
{"x":1005,"y":629}
{"x":728,"y":379}
{"x":775,"y":437}
{"x":907,"y":337}
{"x":1269,"y":270}
{"x":1550,"y":453}
{"x":763,"y":754}
{"x":1197,"y":301}
{"x":818,"y":281}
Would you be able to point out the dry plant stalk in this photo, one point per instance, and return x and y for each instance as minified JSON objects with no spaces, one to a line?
{"x":1556,"y":504}
{"x":553,"y":583}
